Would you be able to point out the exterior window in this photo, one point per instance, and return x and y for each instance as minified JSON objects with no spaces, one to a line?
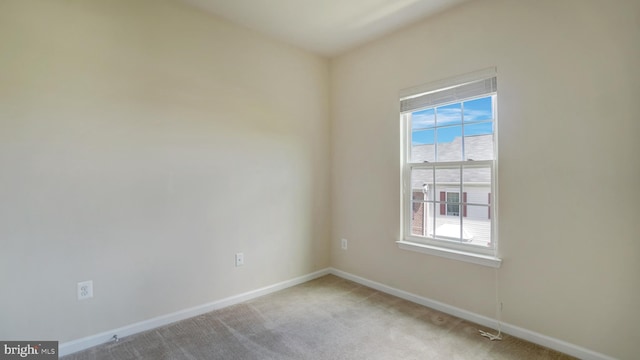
{"x":449,"y":155}
{"x":453,"y":204}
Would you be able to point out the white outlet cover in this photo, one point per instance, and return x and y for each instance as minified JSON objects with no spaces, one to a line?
{"x":239,"y":259}
{"x":85,"y":290}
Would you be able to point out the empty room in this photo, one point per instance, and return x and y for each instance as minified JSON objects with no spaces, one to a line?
{"x":366,"y":179}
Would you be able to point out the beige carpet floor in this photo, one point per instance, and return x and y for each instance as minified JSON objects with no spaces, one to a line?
{"x":327,"y":318}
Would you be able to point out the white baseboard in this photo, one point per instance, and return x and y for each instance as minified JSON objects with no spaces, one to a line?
{"x":512,"y":330}
{"x":537,"y":338}
{"x":104,"y":337}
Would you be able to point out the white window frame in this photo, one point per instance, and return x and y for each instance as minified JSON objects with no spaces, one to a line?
{"x":434,"y":245}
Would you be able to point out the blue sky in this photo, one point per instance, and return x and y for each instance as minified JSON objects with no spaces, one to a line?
{"x":423,"y":121}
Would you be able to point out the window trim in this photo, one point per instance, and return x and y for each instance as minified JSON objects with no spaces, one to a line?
{"x":474,"y":258}
{"x":439,"y":247}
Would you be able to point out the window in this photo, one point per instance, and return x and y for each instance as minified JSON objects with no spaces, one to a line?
{"x":453,"y":204}
{"x":448,"y":170}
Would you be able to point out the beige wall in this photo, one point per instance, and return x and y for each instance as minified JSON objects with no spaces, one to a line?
{"x":568,"y":84}
{"x":142,"y":144}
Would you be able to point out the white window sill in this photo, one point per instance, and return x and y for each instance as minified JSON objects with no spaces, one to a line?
{"x":479,"y":259}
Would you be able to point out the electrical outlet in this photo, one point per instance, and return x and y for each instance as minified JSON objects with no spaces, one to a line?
{"x":345,"y":244}
{"x":239,"y":259}
{"x":85,"y":290}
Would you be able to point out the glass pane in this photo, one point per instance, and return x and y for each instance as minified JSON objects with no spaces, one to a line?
{"x":477,"y":179}
{"x":419,"y":217}
{"x":447,"y":192}
{"x":421,"y":137}
{"x":447,"y":227}
{"x":449,"y":114}
{"x":449,"y":146}
{"x":476,"y":212}
{"x":429,"y":218}
{"x":477,"y":225}
{"x":482,"y":128}
{"x":423,"y":119}
{"x":447,"y":180}
{"x":422,"y":181}
{"x":422,"y":146}
{"x":478,"y":109}
{"x":478,"y":141}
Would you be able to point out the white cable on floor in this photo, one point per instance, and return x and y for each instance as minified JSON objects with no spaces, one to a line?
{"x":489,"y":335}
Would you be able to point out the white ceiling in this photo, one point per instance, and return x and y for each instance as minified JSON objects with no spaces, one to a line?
{"x":327,"y":27}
